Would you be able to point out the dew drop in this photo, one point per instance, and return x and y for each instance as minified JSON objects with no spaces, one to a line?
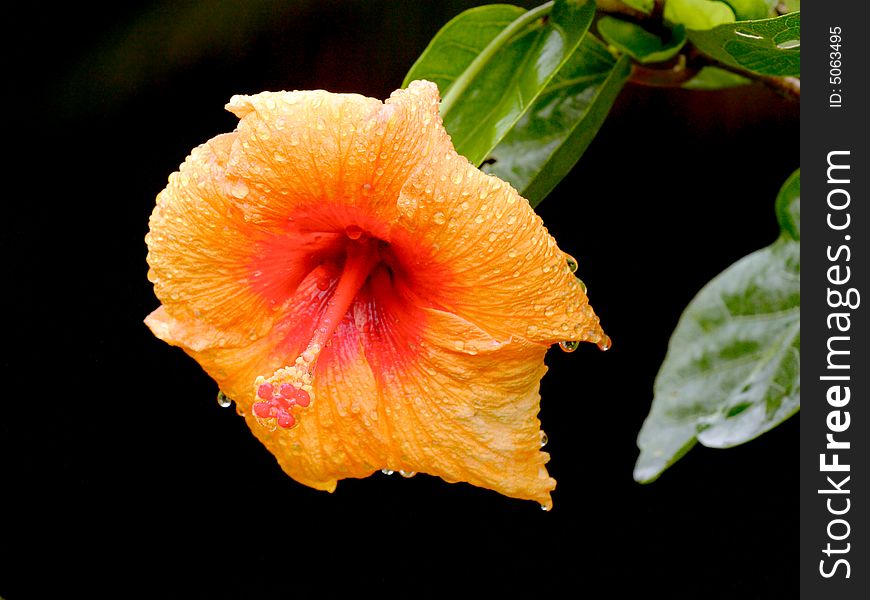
{"x":439,"y":218}
{"x":387,"y":471}
{"x":239,"y":189}
{"x":544,"y":439}
{"x":407,"y":474}
{"x":545,"y":508}
{"x":569,"y":345}
{"x":353,"y":232}
{"x":223,"y":401}
{"x":604,"y":344}
{"x":572,"y":263}
{"x":582,"y":285}
{"x":459,"y":345}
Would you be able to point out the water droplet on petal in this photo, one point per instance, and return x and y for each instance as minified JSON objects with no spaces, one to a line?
{"x":239,"y":189}
{"x":353,"y":232}
{"x":223,"y":401}
{"x":387,"y":471}
{"x":439,"y":218}
{"x":569,"y":345}
{"x":582,"y":285}
{"x":545,"y":508}
{"x":407,"y":473}
{"x":604,"y":344}
{"x":544,"y":439}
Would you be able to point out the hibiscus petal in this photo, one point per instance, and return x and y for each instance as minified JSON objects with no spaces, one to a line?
{"x":327,"y":160}
{"x":489,"y":257}
{"x":465,"y":408}
{"x":209,"y":265}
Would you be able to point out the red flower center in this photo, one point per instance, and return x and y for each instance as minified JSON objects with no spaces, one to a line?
{"x":358,"y":273}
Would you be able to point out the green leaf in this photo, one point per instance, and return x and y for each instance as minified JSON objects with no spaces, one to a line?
{"x":644,"y":6}
{"x":792,"y":5}
{"x":714,"y":78}
{"x":732,"y":370}
{"x":550,"y":138}
{"x":637,"y":42}
{"x":459,"y":42}
{"x":489,"y":96}
{"x":749,"y":9}
{"x":697,"y":14}
{"x":788,"y":207}
{"x":766,"y":47}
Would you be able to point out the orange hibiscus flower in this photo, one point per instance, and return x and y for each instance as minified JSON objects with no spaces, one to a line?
{"x":368,"y":298}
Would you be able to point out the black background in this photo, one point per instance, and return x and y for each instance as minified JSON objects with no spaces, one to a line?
{"x":122,"y":477}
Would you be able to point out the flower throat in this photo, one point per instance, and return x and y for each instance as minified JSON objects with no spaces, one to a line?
{"x":280,"y":397}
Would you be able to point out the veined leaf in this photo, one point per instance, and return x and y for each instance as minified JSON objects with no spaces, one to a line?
{"x":485,"y":100}
{"x":732,"y":370}
{"x":550,"y":138}
{"x":459,"y":42}
{"x":637,"y":42}
{"x":767,"y":46}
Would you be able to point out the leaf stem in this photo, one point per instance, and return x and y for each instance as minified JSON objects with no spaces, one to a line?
{"x":788,"y":87}
{"x":619,"y":7}
{"x":463,"y":81}
{"x":687,"y":64}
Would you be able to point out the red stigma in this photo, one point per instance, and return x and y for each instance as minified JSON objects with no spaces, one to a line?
{"x":302,"y":398}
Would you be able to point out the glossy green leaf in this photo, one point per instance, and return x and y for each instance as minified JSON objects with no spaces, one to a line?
{"x":459,"y":42}
{"x":698,"y":14}
{"x":550,"y":138}
{"x":766,"y":47}
{"x":484,"y":102}
{"x":732,"y":370}
{"x":640,"y":44}
{"x":714,"y":78}
{"x":749,"y":9}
